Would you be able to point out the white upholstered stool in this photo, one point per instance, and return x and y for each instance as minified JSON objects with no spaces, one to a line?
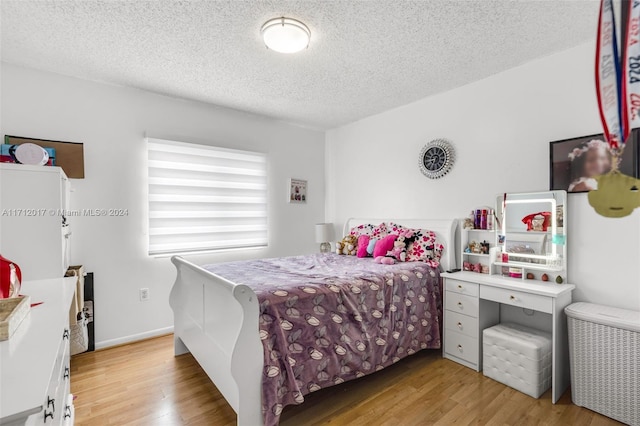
{"x":518,"y":356}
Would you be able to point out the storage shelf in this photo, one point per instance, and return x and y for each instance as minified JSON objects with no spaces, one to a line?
{"x":531,"y":266}
{"x":524,"y":231}
{"x":559,"y":231}
{"x":475,"y":254}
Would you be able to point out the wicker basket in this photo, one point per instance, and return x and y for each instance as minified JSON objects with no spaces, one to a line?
{"x":604,"y":346}
{"x":12,"y":312}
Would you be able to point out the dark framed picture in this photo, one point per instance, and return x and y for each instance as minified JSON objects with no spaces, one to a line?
{"x":575,"y":162}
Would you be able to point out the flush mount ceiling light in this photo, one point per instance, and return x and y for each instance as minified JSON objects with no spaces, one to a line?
{"x":285,"y":35}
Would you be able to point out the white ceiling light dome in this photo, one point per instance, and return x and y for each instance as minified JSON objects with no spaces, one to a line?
{"x":285,"y":35}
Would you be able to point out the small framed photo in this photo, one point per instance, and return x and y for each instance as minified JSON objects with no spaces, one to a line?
{"x":575,"y":162}
{"x":297,"y":191}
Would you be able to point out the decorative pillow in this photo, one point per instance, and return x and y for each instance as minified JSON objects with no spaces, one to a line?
{"x":371,"y":246}
{"x":424,"y":248}
{"x":384,"y":245}
{"x":380,"y":231}
{"x":365,"y":229}
{"x":363,"y":243}
{"x":394,"y":228}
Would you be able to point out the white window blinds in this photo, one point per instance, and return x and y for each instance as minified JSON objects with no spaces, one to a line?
{"x":204,"y":198}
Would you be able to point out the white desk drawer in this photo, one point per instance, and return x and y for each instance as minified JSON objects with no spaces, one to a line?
{"x":461,"y":323}
{"x":461,"y":303}
{"x":462,"y":287}
{"x":461,"y":346}
{"x":517,"y":298}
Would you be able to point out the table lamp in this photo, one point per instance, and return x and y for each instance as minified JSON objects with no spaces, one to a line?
{"x":323,"y":236}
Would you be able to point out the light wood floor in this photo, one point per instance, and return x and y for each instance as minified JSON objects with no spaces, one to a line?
{"x":144,"y":384}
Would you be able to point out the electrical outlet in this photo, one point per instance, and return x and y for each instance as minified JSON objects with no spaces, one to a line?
{"x":144,"y":294}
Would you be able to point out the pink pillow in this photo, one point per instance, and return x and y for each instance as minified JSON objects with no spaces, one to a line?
{"x":384,"y":245}
{"x":363,"y":242}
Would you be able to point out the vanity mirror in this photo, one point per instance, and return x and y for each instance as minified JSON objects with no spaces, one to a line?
{"x":532,"y":237}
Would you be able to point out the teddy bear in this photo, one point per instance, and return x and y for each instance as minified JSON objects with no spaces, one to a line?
{"x":468,"y":223}
{"x":348,"y":245}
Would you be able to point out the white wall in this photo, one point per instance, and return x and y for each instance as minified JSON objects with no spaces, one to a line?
{"x":501,"y":128}
{"x":111,"y":121}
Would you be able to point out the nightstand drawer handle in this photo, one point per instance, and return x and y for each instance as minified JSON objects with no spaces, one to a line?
{"x":459,"y":325}
{"x":460,"y":305}
{"x":65,"y":334}
{"x":460,"y":286}
{"x":460,"y":348}
{"x":67,"y":412}
{"x":66,"y":373}
{"x":47,"y":415}
{"x":51,"y":402}
{"x":512,"y":297}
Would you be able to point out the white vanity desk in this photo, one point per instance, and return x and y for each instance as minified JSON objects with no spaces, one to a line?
{"x":472,"y":302}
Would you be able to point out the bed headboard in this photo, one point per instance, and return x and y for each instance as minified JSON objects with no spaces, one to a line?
{"x":445,"y":230}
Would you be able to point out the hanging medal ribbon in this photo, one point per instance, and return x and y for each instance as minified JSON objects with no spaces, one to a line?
{"x":618,"y":94}
{"x":608,"y":78}
{"x":631,"y":66}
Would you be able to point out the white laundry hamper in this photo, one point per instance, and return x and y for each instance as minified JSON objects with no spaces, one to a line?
{"x":604,"y":347}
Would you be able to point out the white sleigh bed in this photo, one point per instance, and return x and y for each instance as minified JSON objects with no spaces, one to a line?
{"x":217,"y":321}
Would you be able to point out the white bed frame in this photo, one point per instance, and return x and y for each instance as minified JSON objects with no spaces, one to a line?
{"x":217,"y":321}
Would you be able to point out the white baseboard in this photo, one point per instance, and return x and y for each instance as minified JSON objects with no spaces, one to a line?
{"x":133,"y":338}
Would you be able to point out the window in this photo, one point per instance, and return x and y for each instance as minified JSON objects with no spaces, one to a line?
{"x":204,"y":198}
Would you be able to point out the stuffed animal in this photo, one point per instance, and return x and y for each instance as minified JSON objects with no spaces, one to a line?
{"x":399,"y":251}
{"x":385,"y":260}
{"x":468,"y":223}
{"x":348,"y":246}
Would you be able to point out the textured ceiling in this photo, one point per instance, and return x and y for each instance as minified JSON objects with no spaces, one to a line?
{"x":365,"y":57}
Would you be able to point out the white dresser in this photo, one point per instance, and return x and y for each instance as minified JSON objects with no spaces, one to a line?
{"x":34,"y":210}
{"x":35,"y":362}
{"x":473,"y":302}
{"x":463,"y":323}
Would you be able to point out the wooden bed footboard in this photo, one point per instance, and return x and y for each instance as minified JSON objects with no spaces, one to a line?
{"x":217,"y":321}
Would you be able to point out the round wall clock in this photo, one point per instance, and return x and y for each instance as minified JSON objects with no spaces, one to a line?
{"x":436,"y":158}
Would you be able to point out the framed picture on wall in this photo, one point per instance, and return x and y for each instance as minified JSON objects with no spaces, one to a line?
{"x":297,"y":191}
{"x":575,"y":162}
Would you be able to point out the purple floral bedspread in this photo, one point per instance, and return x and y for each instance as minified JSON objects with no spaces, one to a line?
{"x":326,"y":319}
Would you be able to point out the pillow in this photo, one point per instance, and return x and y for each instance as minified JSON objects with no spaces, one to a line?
{"x":380,"y":231}
{"x":423,"y":247}
{"x":394,"y":228}
{"x":371,"y":230}
{"x":365,"y":229}
{"x":384,"y":245}
{"x":363,"y":243}
{"x":371,"y":246}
